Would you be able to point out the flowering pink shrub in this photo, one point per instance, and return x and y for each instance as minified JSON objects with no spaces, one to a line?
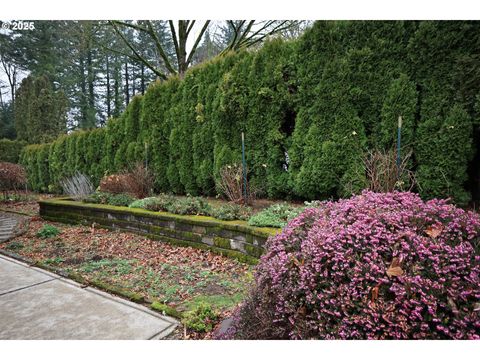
{"x":376,"y":266}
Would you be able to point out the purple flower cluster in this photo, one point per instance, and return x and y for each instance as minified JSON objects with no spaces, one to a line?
{"x":376,"y":266}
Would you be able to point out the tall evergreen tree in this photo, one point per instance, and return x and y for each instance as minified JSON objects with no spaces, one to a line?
{"x":40,"y":114}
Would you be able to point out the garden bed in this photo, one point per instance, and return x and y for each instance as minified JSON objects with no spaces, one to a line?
{"x":22,"y":202}
{"x":171,"y":279}
{"x":231,"y":238}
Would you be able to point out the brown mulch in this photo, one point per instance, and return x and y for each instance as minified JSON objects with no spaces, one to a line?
{"x":25,"y":202}
{"x":25,"y":207}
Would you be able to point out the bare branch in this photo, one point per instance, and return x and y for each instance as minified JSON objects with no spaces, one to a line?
{"x":190,"y":27}
{"x":197,"y":41}
{"x":174,"y":37}
{"x":130,"y":25}
{"x":136,"y":53}
{"x":158,"y":44}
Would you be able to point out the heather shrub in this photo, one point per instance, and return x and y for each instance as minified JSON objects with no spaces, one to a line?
{"x":275,"y":216}
{"x":232,"y":212}
{"x":376,"y":266}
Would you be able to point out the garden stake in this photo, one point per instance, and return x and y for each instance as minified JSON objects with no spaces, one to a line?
{"x":399,"y":139}
{"x":244,"y":168}
{"x":146,"y":155}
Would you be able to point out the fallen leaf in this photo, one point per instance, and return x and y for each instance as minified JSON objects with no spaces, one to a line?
{"x":395,"y":269}
{"x":452,"y":305}
{"x":302,"y":311}
{"x":296,"y":262}
{"x":434,"y":231}
{"x":375,"y":294}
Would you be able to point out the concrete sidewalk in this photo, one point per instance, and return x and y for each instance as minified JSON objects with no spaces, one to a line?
{"x":36,"y":304}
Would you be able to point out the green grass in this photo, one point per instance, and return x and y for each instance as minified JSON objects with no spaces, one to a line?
{"x":221,"y":302}
{"x":54,"y":261}
{"x":48,"y":231}
{"x":14,"y":245}
{"x":107,"y":266}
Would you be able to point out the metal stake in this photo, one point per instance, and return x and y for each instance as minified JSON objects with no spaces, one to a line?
{"x":244,"y":170}
{"x":399,"y":142}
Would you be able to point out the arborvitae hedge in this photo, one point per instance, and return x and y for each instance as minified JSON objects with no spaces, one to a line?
{"x":309,"y":108}
{"x":10,"y":150}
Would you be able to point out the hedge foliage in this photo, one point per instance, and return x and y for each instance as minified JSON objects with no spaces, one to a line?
{"x":309,"y":109}
{"x":10,"y":150}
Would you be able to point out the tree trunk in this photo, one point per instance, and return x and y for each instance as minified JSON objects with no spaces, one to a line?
{"x":182,"y":47}
{"x":91,"y":89}
{"x":83,"y":95}
{"x":142,"y":79}
{"x":127,"y":90}
{"x":117,"y":83}
{"x":133,"y":82}
{"x":13,"y":87}
{"x":109,"y":95}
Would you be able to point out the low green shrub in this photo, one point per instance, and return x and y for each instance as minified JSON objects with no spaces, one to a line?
{"x":158,"y":203}
{"x":48,"y":231}
{"x":232,"y":212}
{"x":201,"y":319}
{"x":190,"y":206}
{"x":277,"y":215}
{"x":120,"y":200}
{"x":100,"y":197}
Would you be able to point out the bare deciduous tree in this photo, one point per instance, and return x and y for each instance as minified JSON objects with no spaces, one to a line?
{"x":242,"y":34}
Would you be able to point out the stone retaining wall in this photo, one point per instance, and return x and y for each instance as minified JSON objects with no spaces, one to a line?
{"x":232,"y":238}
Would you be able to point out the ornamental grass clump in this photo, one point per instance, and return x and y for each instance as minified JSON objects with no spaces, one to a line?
{"x":376,"y":266}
